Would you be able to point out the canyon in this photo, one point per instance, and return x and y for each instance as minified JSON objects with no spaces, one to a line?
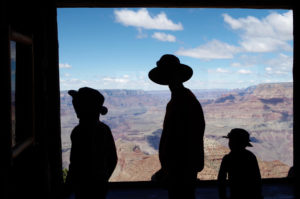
{"x":136,"y":117}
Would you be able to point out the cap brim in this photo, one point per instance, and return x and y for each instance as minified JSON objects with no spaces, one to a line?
{"x":103,"y":110}
{"x":165,"y":76}
{"x":249,"y":144}
{"x":73,"y":93}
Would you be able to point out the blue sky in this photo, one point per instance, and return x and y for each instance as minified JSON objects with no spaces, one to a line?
{"x":115,"y":48}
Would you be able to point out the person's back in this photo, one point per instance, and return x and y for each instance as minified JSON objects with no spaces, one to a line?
{"x":93,"y":154}
{"x":184,"y":126}
{"x":241,"y":168}
{"x":243,"y":174}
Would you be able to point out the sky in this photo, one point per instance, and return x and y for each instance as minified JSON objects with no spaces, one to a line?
{"x":115,"y":48}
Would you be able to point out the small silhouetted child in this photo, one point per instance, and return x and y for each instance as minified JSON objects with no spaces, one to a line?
{"x":93,"y":154}
{"x":241,"y":168}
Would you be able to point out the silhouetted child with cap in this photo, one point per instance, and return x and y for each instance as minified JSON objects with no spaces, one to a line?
{"x":241,"y":168}
{"x":93,"y":154}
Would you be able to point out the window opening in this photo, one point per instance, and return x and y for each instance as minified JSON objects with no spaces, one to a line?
{"x":242,"y":61}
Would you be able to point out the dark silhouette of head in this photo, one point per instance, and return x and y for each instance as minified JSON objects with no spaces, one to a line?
{"x":88,"y":103}
{"x":238,"y":139}
{"x":169,"y":71}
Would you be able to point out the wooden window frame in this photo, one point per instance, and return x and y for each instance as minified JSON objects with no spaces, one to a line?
{"x":29,"y":137}
{"x":232,"y":4}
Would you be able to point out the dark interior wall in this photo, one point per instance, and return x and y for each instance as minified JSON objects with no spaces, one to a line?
{"x":36,"y":172}
{"x":5,"y":102}
{"x":48,"y":97}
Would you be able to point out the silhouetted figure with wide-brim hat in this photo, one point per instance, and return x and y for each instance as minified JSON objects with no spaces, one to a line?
{"x":181,"y":152}
{"x":169,"y":70}
{"x":240,"y":166}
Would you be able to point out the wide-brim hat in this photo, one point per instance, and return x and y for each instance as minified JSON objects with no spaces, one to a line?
{"x":240,"y":135}
{"x":88,"y":97}
{"x":169,"y":70}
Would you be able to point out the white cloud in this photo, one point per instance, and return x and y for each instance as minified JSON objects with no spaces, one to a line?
{"x":267,"y":80}
{"x":243,"y":71}
{"x":218,"y":70}
{"x":142,"y":19}
{"x":282,"y":24}
{"x":264,"y":35}
{"x":281,"y":65}
{"x":212,"y":50}
{"x":137,"y":80}
{"x":164,"y":37}
{"x":250,"y":60}
{"x":66,"y":65}
{"x":268,"y":34}
{"x":264,"y":44}
{"x":268,"y":69}
{"x":141,"y":34}
{"x":221,"y":70}
{"x":132,"y":81}
{"x":235,"y":64}
{"x":72,"y":83}
{"x":115,"y":80}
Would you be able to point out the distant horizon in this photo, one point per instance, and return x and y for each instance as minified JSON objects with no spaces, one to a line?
{"x":195,"y":89}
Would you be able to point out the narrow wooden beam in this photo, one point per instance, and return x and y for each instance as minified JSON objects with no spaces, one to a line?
{"x":256,"y":4}
{"x":18,"y":37}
